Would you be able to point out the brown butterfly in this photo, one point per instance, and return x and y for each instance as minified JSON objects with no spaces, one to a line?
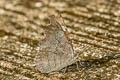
{"x":56,"y":51}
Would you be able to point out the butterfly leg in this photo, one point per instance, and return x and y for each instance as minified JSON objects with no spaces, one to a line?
{"x":78,"y":65}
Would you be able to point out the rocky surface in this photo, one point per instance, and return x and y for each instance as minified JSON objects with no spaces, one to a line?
{"x":94,"y":28}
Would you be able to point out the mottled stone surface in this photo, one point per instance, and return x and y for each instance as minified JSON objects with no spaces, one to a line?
{"x":94,"y":27}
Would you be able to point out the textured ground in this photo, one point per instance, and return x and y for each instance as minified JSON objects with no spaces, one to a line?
{"x":94,"y":27}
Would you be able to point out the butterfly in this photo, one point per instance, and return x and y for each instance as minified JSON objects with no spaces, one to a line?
{"x":56,"y":50}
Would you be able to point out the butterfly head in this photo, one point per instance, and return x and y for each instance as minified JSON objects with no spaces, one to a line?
{"x":58,"y":22}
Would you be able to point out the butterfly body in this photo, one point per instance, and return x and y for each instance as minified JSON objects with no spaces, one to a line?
{"x":56,"y":52}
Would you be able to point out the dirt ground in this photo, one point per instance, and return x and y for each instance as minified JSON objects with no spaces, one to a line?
{"x":94,"y":27}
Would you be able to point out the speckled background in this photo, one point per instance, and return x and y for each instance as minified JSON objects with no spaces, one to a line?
{"x":94,"y":27}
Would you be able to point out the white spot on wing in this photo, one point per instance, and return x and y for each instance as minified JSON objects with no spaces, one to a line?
{"x":64,"y":28}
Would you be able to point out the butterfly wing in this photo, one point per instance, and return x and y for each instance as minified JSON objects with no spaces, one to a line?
{"x":56,"y":51}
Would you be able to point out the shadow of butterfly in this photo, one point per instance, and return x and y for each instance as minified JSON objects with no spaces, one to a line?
{"x":56,"y":50}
